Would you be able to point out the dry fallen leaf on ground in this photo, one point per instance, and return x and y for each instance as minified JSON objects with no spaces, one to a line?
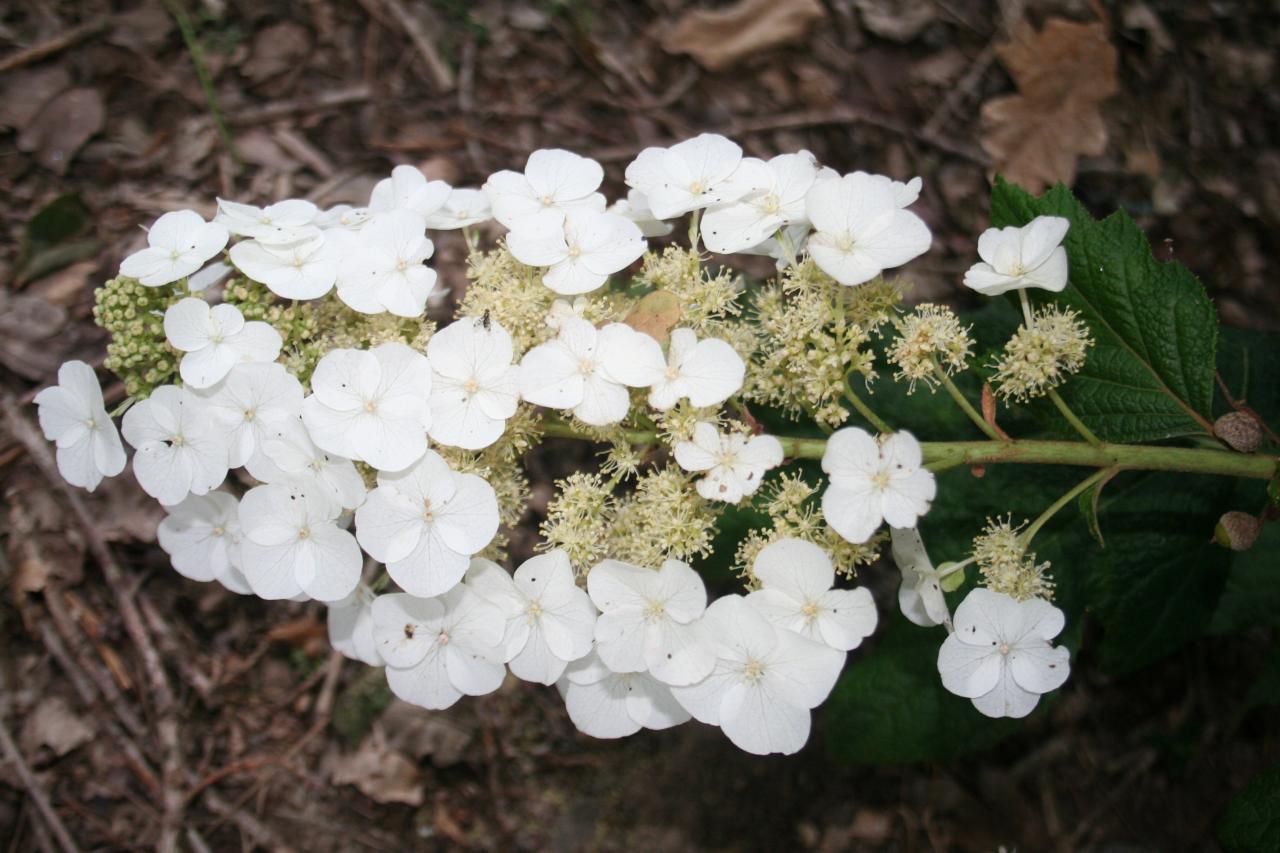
{"x":62,"y":127}
{"x":381,"y":773}
{"x":52,"y":723}
{"x":720,"y":38}
{"x":1063,"y":74}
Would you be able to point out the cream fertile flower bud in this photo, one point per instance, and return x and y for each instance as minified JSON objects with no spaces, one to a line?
{"x":1015,"y":258}
{"x":1042,"y":356}
{"x":178,"y":244}
{"x":72,"y":415}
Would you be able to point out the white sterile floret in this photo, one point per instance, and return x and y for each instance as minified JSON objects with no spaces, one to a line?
{"x":920,"y":595}
{"x":607,"y":704}
{"x":283,"y":222}
{"x":694,"y":174}
{"x":383,"y":269}
{"x":371,"y":405}
{"x":439,"y":649}
{"x":303,"y":269}
{"x":707,"y":372}
{"x":763,"y":212}
{"x":201,"y":535}
{"x":860,"y":229}
{"x":735,"y":464}
{"x":215,"y":339}
{"x":291,"y":543}
{"x":252,"y":404}
{"x":351,"y":626}
{"x":1015,"y":258}
{"x":553,"y":180}
{"x":579,"y":248}
{"x":550,"y":622}
{"x":874,"y":481}
{"x":649,"y":620}
{"x":208,"y":277}
{"x":765,"y":680}
{"x":588,"y":370}
{"x":785,"y":246}
{"x":178,"y":244}
{"x":73,"y":417}
{"x":408,"y":189}
{"x":426,"y":522}
{"x":1001,"y":654}
{"x":473,"y":388}
{"x":179,"y":449}
{"x":344,"y":217}
{"x":563,"y":309}
{"x":636,"y":208}
{"x":795,"y":593}
{"x":290,"y":457}
{"x":463,"y":207}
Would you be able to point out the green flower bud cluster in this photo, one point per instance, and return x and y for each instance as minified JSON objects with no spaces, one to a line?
{"x":134,"y":316}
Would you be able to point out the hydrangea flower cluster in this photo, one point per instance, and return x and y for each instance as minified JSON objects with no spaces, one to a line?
{"x":313,"y":434}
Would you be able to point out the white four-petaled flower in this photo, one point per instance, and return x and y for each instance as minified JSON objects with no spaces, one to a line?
{"x":283,"y":222}
{"x":588,"y":370}
{"x":579,"y":248}
{"x":1001,"y":654}
{"x":874,"y":481}
{"x":706,"y":371}
{"x":290,"y":457}
{"x":554,"y":180}
{"x":860,"y":229}
{"x":72,"y":415}
{"x":694,"y":174}
{"x":179,"y":449}
{"x":765,"y":211}
{"x":252,"y":404}
{"x":463,"y":207}
{"x":408,"y":189}
{"x":649,"y":620}
{"x":303,"y":269}
{"x":474,"y":385}
{"x":550,"y":622}
{"x":216,"y":339}
{"x":1015,"y":258}
{"x":371,"y":405}
{"x":765,"y":680}
{"x":291,"y":544}
{"x":795,"y":593}
{"x":201,"y":535}
{"x":382,"y":269}
{"x":607,"y":704}
{"x":735,"y":464}
{"x":350,"y":623}
{"x":178,"y":245}
{"x":439,"y":649}
{"x":426,"y":522}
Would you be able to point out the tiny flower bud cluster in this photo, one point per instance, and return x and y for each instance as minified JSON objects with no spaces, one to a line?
{"x":1043,"y":355}
{"x":929,"y":338}
{"x":1006,"y":565}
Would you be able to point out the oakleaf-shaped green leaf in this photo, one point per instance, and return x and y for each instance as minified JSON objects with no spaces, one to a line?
{"x":1150,"y":374}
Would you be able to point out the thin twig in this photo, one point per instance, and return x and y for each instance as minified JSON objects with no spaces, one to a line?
{"x":45,"y":49}
{"x":36,"y":792}
{"x":436,"y":67}
{"x":320,"y":102}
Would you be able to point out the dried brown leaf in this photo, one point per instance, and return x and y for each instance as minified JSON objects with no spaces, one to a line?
{"x":655,"y":314}
{"x":24,"y":93}
{"x":720,"y":38}
{"x":63,"y":127}
{"x":379,"y":772}
{"x":1063,"y":74}
{"x":53,"y":724}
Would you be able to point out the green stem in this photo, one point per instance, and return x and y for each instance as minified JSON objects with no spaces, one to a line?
{"x":941,"y":455}
{"x":963,"y":403}
{"x":864,"y":410}
{"x":1076,"y":423}
{"x":694,"y":221}
{"x":1043,"y":519}
{"x":202,"y":73}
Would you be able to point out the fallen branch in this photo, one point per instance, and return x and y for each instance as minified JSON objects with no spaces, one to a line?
{"x":57,"y":44}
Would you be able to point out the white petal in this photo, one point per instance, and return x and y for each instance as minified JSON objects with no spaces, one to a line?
{"x":967,"y":670}
{"x":796,"y":567}
{"x":1006,"y":699}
